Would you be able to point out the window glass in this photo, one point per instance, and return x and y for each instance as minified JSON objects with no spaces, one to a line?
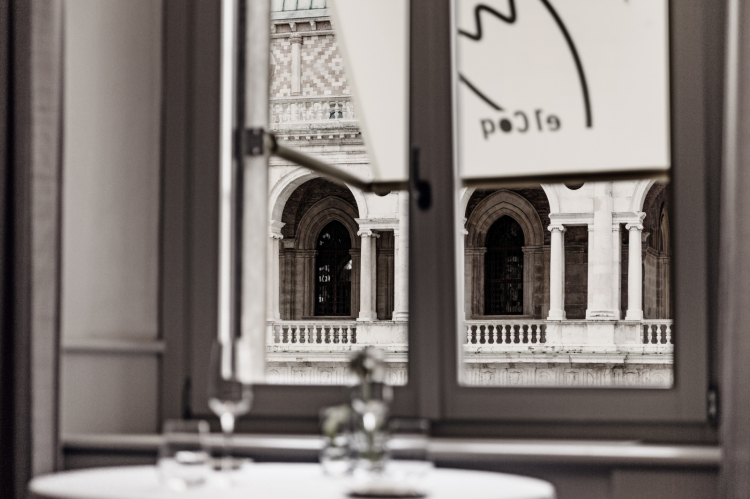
{"x":337,"y":256}
{"x":565,"y":284}
{"x":568,"y":287}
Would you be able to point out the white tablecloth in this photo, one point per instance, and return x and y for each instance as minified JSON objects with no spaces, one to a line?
{"x":275,"y":481}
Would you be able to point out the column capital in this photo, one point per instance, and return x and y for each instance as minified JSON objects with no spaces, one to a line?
{"x":367,"y":233}
{"x":559,"y":227}
{"x":274,"y":229}
{"x":616,"y":227}
{"x":295,"y":38}
{"x":634,"y":226}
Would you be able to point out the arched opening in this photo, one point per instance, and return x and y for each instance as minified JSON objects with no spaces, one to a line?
{"x":333,"y":271}
{"x":503,"y":275}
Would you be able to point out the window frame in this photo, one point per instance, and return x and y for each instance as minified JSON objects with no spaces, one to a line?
{"x":685,"y":402}
{"x":189,"y":281}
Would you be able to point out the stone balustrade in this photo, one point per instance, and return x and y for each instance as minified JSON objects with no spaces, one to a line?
{"x":657,"y":332}
{"x":321,"y":111}
{"x":481,"y":336}
{"x":312,"y":333}
{"x":496,"y":352}
{"x":507,"y":333}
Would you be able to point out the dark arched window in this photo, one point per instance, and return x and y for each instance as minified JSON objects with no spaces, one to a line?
{"x":503,"y":268}
{"x":333,"y":271}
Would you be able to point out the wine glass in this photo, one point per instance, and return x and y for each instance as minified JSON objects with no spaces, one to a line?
{"x":228,"y":396}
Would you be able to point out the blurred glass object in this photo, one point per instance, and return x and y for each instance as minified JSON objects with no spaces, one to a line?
{"x":228,"y":396}
{"x":336,"y":427}
{"x":370,"y":406}
{"x":183,"y":459}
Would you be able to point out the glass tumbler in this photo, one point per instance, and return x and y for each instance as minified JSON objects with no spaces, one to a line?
{"x":408,"y":447}
{"x":184,"y":461}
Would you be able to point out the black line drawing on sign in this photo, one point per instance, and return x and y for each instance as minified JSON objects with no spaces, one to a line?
{"x":511,"y":19}
{"x":480,"y":94}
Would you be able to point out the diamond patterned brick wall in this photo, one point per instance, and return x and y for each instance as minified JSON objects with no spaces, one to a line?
{"x":322,"y":67}
{"x":281,"y":79}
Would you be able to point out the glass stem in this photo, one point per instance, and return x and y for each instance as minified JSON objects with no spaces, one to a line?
{"x":227,"y":428}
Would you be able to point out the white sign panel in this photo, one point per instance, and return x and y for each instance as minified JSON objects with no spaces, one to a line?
{"x":562,"y":86}
{"x":373,"y":37}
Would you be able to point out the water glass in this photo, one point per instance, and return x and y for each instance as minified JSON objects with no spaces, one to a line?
{"x":184,"y":461}
{"x":408,"y":449}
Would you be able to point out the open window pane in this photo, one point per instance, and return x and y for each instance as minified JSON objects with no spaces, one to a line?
{"x":337,"y":256}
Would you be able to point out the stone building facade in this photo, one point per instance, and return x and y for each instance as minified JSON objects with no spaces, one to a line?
{"x":564,"y":284}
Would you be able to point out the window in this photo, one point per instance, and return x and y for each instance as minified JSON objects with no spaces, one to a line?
{"x":333,"y":271}
{"x":675,"y":251}
{"x":503,"y":274}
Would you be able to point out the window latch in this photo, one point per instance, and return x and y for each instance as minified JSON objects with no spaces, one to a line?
{"x":421,"y":188}
{"x":252,"y":142}
{"x":712,"y":405}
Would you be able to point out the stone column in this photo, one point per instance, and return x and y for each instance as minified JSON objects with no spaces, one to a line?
{"x":557,"y":274}
{"x":635,"y":276}
{"x":616,"y":269}
{"x":401,"y":260}
{"x":366,"y":309}
{"x":296,"y":41}
{"x":601,"y":306}
{"x":272,"y":269}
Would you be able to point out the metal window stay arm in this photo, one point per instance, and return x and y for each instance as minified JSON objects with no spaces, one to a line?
{"x":258,"y":142}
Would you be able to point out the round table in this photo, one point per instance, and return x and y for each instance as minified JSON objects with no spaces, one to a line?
{"x":275,"y":481}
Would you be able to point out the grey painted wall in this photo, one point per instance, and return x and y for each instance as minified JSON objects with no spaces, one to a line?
{"x":110,"y":229}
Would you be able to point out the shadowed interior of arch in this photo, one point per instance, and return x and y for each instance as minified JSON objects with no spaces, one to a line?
{"x":333,"y":270}
{"x":503,"y":284}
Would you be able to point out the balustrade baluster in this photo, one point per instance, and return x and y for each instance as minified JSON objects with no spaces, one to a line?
{"x":494,"y":334}
{"x":669,"y":334}
{"x":654,"y":334}
{"x":468,"y":334}
{"x":284,"y":112}
{"x":295,"y":112}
